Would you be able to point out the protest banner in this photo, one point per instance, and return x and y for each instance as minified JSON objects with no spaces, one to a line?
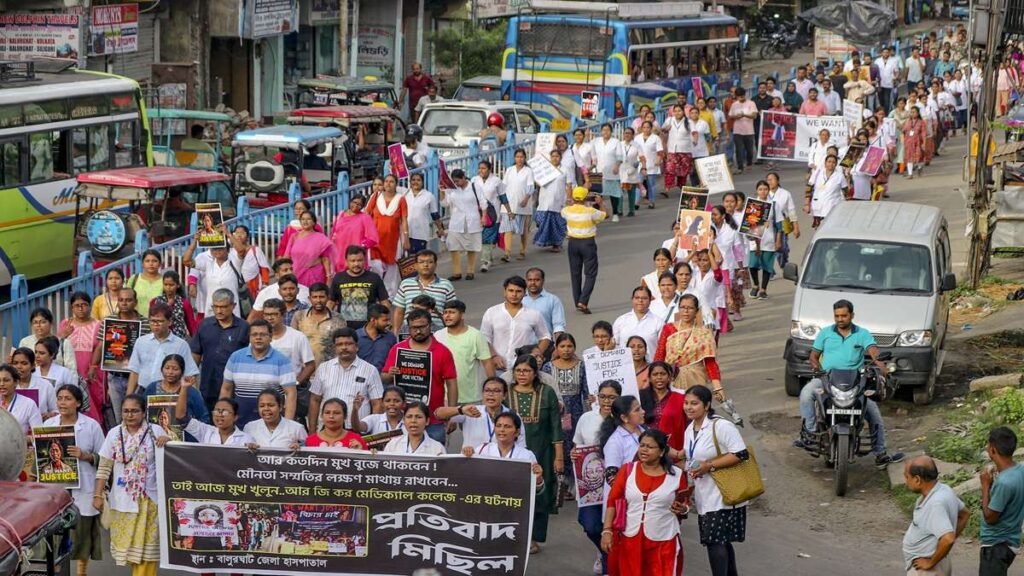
{"x":691,"y":198}
{"x":589,"y":468}
{"x":160,"y":411}
{"x":325,"y":512}
{"x":396,"y":161}
{"x":446,"y":178}
{"x":853,"y":114}
{"x":698,"y":87}
{"x":873,"y":159}
{"x":210,"y":233}
{"x":53,"y":464}
{"x":414,"y":370}
{"x":589,"y":104}
{"x":778,"y":137}
{"x":544,"y":172}
{"x":714,"y":173}
{"x":544,"y":144}
{"x":756,"y":215}
{"x":694,"y":229}
{"x":615,"y":365}
{"x":119,"y":338}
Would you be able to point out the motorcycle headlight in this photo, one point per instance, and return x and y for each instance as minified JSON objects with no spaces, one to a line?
{"x":803,"y":330}
{"x":915,"y":338}
{"x":843,"y":399}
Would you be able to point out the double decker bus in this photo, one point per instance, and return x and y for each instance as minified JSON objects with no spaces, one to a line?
{"x":56,"y":123}
{"x":629,"y":53}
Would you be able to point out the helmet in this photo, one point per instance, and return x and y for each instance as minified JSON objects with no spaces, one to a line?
{"x":414,"y":131}
{"x":496,"y":119}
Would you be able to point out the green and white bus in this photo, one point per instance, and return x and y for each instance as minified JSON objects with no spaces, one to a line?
{"x":55,"y":125}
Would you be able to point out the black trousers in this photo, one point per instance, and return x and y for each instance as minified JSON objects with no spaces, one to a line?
{"x":885,"y":99}
{"x":995,"y":560}
{"x":744,"y":150}
{"x":582,"y":268}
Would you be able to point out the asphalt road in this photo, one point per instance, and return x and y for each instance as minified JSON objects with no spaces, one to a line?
{"x":779,"y":542}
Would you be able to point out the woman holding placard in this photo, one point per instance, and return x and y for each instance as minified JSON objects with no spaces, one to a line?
{"x":552,"y":198}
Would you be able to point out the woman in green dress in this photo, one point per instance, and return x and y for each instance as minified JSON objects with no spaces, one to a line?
{"x":537,"y":405}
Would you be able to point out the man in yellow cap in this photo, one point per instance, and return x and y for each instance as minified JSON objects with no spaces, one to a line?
{"x":581,"y":226}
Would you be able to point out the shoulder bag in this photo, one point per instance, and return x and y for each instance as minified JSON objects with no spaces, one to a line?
{"x":740,"y":483}
{"x":490,"y":215}
{"x":619,"y":521}
{"x":244,"y":296}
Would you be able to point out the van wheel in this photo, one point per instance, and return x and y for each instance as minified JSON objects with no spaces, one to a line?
{"x":793,"y":384}
{"x":924,"y":395}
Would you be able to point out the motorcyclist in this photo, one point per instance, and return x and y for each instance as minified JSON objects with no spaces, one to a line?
{"x":842,"y":346}
{"x":495,"y":129}
{"x":415,"y":150}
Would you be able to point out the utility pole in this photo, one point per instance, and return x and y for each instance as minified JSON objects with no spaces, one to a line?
{"x":343,"y":37}
{"x":986,"y":34}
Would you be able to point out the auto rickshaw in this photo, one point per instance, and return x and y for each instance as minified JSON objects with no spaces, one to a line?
{"x":345,"y":90}
{"x":369,"y":130}
{"x":112,"y":206}
{"x":266,"y":161}
{"x":174,"y":144}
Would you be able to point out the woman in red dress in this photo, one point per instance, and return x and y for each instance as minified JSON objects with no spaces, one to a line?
{"x":334,"y":435}
{"x":663,"y":408}
{"x":390,"y":216}
{"x":649,"y":544}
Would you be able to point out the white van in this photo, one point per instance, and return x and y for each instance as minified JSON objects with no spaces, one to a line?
{"x":891,"y":260}
{"x":449,"y":127}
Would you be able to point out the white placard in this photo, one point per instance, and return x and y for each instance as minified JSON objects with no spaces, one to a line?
{"x":543,"y":171}
{"x":853,"y":113}
{"x":544,"y":144}
{"x":615,"y":365}
{"x":714,"y":173}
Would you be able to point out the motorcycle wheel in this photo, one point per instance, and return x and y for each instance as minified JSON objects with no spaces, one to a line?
{"x":787,"y":52}
{"x":765,"y":51}
{"x":842,"y":464}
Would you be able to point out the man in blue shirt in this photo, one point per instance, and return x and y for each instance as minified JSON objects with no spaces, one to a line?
{"x":376,"y":337}
{"x":216,"y":338}
{"x":549,"y":305}
{"x":842,"y":346}
{"x":1002,"y":505}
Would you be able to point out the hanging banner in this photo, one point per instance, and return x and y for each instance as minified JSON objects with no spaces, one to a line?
{"x":329,"y":512}
{"x":786,"y":136}
{"x":615,"y":365}
{"x":265,"y":18}
{"x":114,"y":29}
{"x":590,"y":103}
{"x":29,"y":36}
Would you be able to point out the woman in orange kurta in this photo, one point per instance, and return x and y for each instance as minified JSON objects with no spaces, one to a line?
{"x":649,"y":544}
{"x":390,"y":215}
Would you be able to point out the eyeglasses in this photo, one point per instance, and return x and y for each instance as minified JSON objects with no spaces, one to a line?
{"x":524,"y":370}
{"x":419,"y":328}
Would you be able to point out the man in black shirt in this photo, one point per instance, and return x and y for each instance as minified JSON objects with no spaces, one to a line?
{"x":355,"y":288}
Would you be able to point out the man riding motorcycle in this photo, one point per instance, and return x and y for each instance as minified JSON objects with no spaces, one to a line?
{"x":843,"y":346}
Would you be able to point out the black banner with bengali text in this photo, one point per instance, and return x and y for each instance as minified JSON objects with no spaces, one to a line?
{"x":341,"y":512}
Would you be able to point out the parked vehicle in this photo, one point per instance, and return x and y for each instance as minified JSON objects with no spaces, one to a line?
{"x":368,"y":131}
{"x":892,"y":261}
{"x":345,"y":90}
{"x":172,"y":142}
{"x":485,"y":88}
{"x":266,"y":161}
{"x":780,"y":43}
{"x":449,"y":127}
{"x":160,"y":200}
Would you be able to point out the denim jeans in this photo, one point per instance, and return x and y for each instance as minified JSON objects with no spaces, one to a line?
{"x":651,"y":183}
{"x":592,"y":520}
{"x":117,"y":389}
{"x":871,"y":414}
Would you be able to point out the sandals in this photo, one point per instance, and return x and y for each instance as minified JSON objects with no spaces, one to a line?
{"x":506,"y":258}
{"x":522,"y":256}
{"x":583,"y":308}
{"x":455,"y":278}
{"x":470,"y":276}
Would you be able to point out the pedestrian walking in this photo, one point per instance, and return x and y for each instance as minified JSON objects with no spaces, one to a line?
{"x":939,"y":518}
{"x":581,"y":222}
{"x":1002,"y":505}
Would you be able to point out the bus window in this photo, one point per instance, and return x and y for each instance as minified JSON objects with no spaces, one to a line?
{"x":126,"y":146}
{"x":40,"y":160}
{"x":10,"y":163}
{"x":99,"y":147}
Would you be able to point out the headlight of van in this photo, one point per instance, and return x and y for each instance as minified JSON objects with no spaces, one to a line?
{"x":915,"y":338}
{"x":803,"y":330}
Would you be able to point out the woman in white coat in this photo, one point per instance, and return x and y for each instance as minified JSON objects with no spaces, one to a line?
{"x":521,"y":189}
{"x":828,"y":184}
{"x":467,"y":208}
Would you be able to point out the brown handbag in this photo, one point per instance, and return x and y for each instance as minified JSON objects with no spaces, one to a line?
{"x":740,"y":483}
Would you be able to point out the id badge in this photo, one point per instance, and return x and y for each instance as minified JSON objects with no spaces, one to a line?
{"x":911,"y":133}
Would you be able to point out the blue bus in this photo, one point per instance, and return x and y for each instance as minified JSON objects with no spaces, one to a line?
{"x":628,"y":53}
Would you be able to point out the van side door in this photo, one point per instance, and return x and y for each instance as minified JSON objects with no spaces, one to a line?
{"x":943,"y":266}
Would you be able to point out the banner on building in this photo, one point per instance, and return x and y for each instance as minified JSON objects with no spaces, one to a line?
{"x":341,"y":512}
{"x":786,"y":136}
{"x":266,"y":18}
{"x":499,"y":8}
{"x":376,"y":50}
{"x":324,"y":12}
{"x":114,"y":29}
{"x":29,"y":36}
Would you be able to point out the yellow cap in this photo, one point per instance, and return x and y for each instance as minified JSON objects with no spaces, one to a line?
{"x":579,"y":193}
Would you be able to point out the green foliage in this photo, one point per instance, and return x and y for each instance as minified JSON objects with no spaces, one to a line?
{"x":953,"y":448}
{"x":472,"y":50}
{"x":1004,"y":410}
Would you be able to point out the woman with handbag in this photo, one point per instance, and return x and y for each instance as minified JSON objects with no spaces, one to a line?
{"x":467,"y":212}
{"x":493,"y":190}
{"x":713,"y":444}
{"x":643,"y":539}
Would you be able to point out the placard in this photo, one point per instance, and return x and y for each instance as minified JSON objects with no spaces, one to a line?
{"x":53,"y":463}
{"x":873,"y":159}
{"x":414,"y":372}
{"x":160,"y":411}
{"x":852,"y":156}
{"x":119,"y":338}
{"x":778,"y":137}
{"x":446,"y":178}
{"x":698,"y":87}
{"x":694,"y":230}
{"x":615,"y":365}
{"x":544,"y":172}
{"x":29,"y":393}
{"x":114,"y":29}
{"x":691,"y":198}
{"x":756,"y":215}
{"x":589,"y":468}
{"x":379,"y":440}
{"x":714,"y":173}
{"x":589,"y":104}
{"x":209,"y":226}
{"x":265,"y":18}
{"x":544,"y":144}
{"x":853,"y":114}
{"x":341,"y":512}
{"x":396,"y":161}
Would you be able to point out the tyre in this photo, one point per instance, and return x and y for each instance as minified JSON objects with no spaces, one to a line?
{"x":765,"y":51}
{"x":842,"y":469}
{"x":793,"y":384}
{"x":787,"y":52}
{"x":923,"y":395}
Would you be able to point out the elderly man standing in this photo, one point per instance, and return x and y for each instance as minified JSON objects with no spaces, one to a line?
{"x":217,"y":337}
{"x":939,"y":518}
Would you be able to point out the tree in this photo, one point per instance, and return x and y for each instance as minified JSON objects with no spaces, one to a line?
{"x":472,"y":51}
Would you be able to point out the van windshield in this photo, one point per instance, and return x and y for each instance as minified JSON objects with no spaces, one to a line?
{"x":868,"y":266}
{"x":452,"y":122}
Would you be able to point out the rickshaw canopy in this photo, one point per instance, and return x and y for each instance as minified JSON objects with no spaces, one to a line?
{"x":135,"y":183}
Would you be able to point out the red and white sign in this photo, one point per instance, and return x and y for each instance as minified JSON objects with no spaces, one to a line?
{"x":114,"y":29}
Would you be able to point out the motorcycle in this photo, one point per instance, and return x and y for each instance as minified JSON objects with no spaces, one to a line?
{"x":841,"y":436}
{"x":781,"y":43}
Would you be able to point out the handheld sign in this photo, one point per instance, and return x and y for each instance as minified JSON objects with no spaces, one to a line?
{"x":544,"y":144}
{"x":119,"y":338}
{"x":756,"y":215}
{"x":53,"y":464}
{"x":615,"y":365}
{"x":160,"y":411}
{"x":544,"y":172}
{"x":589,"y":468}
{"x":396,"y":161}
{"x":714,"y":173}
{"x":446,"y":179}
{"x":414,"y":370}
{"x":209,"y":218}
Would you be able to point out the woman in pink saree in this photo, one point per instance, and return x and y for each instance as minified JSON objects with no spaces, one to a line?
{"x":311,"y":252}
{"x":293,"y":227}
{"x":353,"y":227}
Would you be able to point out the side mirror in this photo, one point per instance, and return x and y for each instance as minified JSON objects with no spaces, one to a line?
{"x":948,"y":282}
{"x":790,"y":271}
